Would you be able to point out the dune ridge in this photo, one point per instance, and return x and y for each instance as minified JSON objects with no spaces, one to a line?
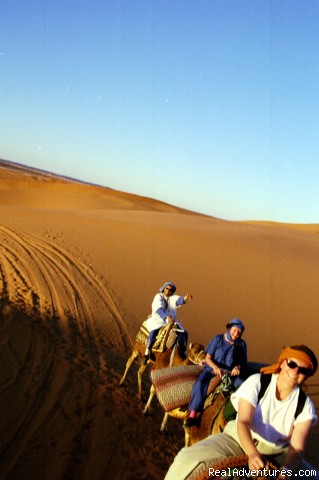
{"x":63,"y":192}
{"x":80,"y":265}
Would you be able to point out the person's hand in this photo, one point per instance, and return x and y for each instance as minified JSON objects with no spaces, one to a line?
{"x":188,"y":296}
{"x":235,"y":371}
{"x":256,"y":461}
{"x":284,"y":473}
{"x":218,"y":372}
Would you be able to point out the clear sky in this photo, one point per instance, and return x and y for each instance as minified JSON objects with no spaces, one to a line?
{"x":211,"y":105}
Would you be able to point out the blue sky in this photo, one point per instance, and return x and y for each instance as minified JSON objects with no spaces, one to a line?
{"x":212,"y":105}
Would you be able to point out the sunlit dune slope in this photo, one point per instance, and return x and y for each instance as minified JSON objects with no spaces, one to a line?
{"x":63,"y":193}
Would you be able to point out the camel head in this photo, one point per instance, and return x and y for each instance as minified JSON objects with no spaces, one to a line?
{"x":196,"y":353}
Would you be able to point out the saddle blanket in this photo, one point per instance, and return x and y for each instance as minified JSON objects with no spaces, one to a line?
{"x":142,"y":334}
{"x":165,"y":338}
{"x":174,"y":385}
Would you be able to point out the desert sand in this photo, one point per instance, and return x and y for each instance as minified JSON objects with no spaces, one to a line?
{"x":80,"y":265}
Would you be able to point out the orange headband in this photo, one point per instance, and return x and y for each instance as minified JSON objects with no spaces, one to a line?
{"x":289,"y":352}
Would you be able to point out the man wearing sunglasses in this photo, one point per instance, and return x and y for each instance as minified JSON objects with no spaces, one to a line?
{"x":267,"y":427}
{"x":164,"y":306}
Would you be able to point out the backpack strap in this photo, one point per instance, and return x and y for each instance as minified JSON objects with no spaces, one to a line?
{"x":301,"y":402}
{"x":265,"y":381}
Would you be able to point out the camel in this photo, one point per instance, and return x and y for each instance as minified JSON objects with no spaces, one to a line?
{"x":212,"y":419}
{"x":196,"y":355}
{"x":169,"y":356}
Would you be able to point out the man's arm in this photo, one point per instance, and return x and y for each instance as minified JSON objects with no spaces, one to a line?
{"x":216,"y":370}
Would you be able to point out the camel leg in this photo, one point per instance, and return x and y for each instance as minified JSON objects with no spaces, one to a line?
{"x":149,"y":401}
{"x":164,"y":422}
{"x":134,"y":355}
{"x":140,"y":372}
{"x":187,"y":439}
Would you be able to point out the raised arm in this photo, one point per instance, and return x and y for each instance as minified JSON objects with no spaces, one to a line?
{"x":188,"y":296}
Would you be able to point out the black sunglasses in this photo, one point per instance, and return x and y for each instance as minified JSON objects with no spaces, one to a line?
{"x":303,"y":370}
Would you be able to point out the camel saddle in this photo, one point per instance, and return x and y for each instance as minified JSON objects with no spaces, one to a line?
{"x":165,"y":339}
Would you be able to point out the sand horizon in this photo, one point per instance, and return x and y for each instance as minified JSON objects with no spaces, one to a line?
{"x":80,"y":265}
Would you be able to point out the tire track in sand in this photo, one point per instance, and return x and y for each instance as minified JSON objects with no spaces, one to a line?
{"x":53,"y":342}
{"x":41,"y":277}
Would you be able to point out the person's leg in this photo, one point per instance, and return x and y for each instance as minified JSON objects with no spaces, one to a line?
{"x":199,"y":391}
{"x":150,"y":341}
{"x":182,"y":340}
{"x":211,"y":449}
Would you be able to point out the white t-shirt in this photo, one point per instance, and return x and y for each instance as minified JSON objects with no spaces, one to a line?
{"x":273,"y":419}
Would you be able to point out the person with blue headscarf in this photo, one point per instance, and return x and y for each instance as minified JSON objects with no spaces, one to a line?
{"x":225,"y":352}
{"x":164,"y":306}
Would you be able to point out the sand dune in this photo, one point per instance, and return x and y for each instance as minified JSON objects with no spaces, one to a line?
{"x":80,"y":265}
